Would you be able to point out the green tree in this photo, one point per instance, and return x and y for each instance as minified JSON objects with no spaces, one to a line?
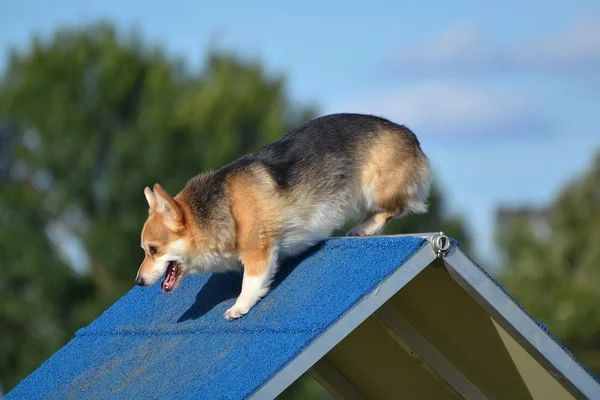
{"x":39,"y":294}
{"x":556,"y":276}
{"x":88,"y":118}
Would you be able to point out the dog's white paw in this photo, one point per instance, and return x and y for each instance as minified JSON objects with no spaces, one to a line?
{"x":235,"y":312}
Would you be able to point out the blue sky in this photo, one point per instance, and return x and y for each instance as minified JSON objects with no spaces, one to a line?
{"x":504,"y":97}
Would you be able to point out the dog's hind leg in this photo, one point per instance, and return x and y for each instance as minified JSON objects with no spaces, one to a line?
{"x":372,"y":224}
{"x":394,"y":182}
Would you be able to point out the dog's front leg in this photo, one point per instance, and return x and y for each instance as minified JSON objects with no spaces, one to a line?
{"x":259,"y":267}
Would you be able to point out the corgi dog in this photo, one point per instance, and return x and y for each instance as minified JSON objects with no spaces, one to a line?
{"x":281,"y":200}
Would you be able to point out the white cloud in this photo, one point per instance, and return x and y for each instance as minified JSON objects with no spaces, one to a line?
{"x":439,"y":108}
{"x":578,"y":47}
{"x":468,"y":50}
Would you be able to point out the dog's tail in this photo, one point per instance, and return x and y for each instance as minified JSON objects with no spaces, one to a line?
{"x":418,"y":191}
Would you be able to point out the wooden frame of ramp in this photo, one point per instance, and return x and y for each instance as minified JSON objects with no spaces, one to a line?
{"x":439,"y":327}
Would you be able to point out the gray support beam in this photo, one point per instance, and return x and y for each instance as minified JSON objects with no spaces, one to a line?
{"x":415,"y":345}
{"x":520,"y":326}
{"x":334,"y":382}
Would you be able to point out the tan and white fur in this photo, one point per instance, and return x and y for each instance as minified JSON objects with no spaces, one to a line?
{"x":282,"y":199}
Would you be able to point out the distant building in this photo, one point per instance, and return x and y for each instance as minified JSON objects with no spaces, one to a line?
{"x":537,"y":218}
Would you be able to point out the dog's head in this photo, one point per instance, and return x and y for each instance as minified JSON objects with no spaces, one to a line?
{"x":165,"y":240}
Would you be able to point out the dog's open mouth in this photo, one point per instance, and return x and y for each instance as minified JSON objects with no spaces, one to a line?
{"x":171,"y":277}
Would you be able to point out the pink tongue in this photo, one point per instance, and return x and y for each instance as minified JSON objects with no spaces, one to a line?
{"x":169,"y":280}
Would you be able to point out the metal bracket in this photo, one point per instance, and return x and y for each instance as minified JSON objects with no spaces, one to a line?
{"x":440,"y":243}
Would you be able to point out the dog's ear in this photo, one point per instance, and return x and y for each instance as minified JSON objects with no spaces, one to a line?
{"x":150,"y":198}
{"x":168,"y":208}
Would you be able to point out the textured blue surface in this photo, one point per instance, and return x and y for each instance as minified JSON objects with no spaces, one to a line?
{"x":154,"y":345}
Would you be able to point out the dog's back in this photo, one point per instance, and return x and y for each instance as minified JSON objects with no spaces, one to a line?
{"x":335,"y":168}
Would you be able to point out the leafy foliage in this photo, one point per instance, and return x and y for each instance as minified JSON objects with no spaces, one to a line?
{"x":87,"y":119}
{"x":556,"y":276}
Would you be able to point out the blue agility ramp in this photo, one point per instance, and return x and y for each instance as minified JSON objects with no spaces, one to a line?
{"x":154,"y":345}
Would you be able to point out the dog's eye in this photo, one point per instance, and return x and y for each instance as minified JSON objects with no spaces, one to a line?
{"x":152,"y":249}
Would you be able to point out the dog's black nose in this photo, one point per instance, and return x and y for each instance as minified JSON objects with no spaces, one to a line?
{"x":139,"y":281}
